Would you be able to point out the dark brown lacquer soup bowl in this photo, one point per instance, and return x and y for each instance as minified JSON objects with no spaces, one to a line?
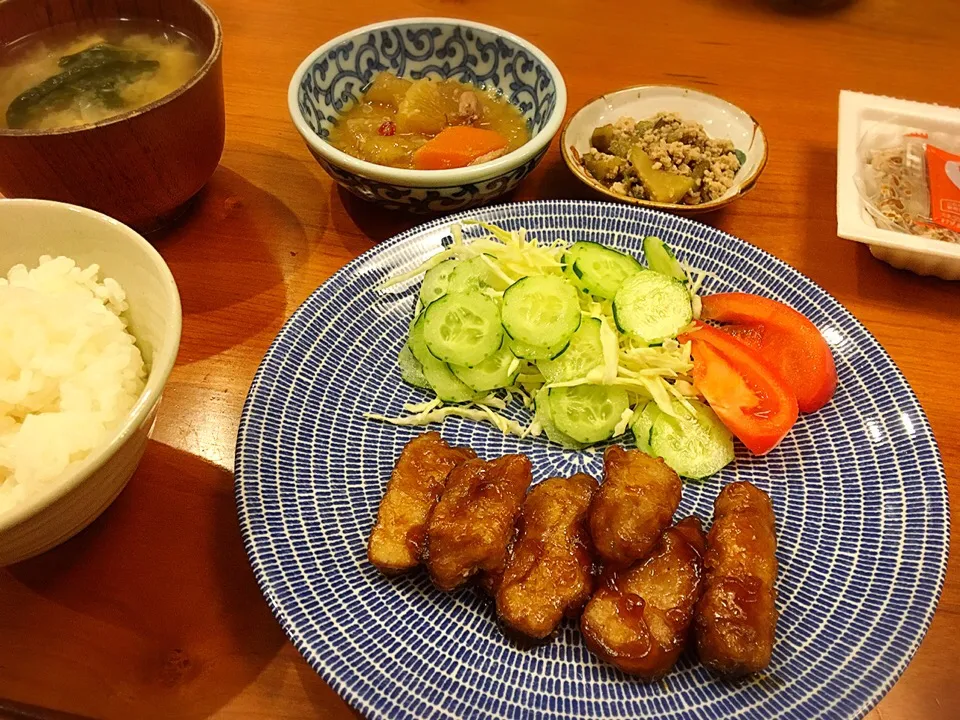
{"x":143,"y":166}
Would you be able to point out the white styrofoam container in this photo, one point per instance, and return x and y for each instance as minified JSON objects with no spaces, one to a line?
{"x":858,"y":113}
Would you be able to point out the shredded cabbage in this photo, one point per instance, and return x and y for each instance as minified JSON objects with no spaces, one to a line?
{"x":649,"y":373}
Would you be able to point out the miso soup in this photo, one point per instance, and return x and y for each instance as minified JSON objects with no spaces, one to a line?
{"x":76,"y":74}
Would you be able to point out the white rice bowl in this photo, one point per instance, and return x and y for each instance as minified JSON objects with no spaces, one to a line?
{"x":70,"y":372}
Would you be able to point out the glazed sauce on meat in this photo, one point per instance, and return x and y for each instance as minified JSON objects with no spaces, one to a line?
{"x":488,"y":486}
{"x":415,"y":539}
{"x":744,"y":593}
{"x":532,"y":554}
{"x":630,"y":609}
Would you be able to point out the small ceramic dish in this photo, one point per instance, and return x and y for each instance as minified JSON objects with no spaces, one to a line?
{"x":719,"y":118}
{"x":31,"y":228}
{"x":336,"y":74}
{"x":861,"y":114}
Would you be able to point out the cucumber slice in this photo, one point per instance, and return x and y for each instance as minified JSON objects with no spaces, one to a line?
{"x":445,"y":384}
{"x":475,"y":275}
{"x":652,"y":306}
{"x":542,"y":404}
{"x":588,"y":413}
{"x":600,"y":270}
{"x":526,"y":351}
{"x":660,"y":258}
{"x":570,"y":257}
{"x":695,"y":446}
{"x":542,"y":310}
{"x":436,"y":280}
{"x":463,"y":328}
{"x":492,"y":374}
{"x":583,"y":354}
{"x":643,"y":424}
{"x":410,"y":368}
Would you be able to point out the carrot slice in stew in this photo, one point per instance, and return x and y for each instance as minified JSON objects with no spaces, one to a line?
{"x":458,"y":146}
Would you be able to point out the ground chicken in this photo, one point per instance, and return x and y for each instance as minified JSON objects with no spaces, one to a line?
{"x":674,"y":145}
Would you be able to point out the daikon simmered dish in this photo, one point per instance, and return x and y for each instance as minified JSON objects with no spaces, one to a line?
{"x":77,"y":74}
{"x":428,"y":124}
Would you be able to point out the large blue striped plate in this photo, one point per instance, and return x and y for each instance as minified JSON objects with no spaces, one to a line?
{"x":858,"y":488}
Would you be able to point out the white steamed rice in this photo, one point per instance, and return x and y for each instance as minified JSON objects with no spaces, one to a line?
{"x":69,"y":372}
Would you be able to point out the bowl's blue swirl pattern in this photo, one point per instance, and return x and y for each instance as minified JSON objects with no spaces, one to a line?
{"x":427,"y":200}
{"x":419,"y":50}
{"x":858,"y":489}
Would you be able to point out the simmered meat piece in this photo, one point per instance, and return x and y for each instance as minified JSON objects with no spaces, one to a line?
{"x":549,"y":572}
{"x":397,"y":540}
{"x":633,"y":506}
{"x":737,"y":616}
{"x":473,"y":523}
{"x":639,"y":619}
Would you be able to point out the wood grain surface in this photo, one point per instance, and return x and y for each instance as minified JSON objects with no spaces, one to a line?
{"x":153,"y":611}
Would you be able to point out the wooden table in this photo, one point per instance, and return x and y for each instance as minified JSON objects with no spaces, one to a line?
{"x":153,"y":612}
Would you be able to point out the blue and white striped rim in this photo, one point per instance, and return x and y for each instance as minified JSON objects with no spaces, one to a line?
{"x":858,"y":488}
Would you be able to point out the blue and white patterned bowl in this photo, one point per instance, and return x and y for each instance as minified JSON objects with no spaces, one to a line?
{"x":335,"y":75}
{"x":858,"y":489}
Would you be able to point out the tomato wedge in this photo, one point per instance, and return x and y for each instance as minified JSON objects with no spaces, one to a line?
{"x":751,"y":335}
{"x":788,"y":341}
{"x":751,"y":399}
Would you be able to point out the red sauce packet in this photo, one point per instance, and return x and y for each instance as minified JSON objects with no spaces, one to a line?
{"x":943,"y":171}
